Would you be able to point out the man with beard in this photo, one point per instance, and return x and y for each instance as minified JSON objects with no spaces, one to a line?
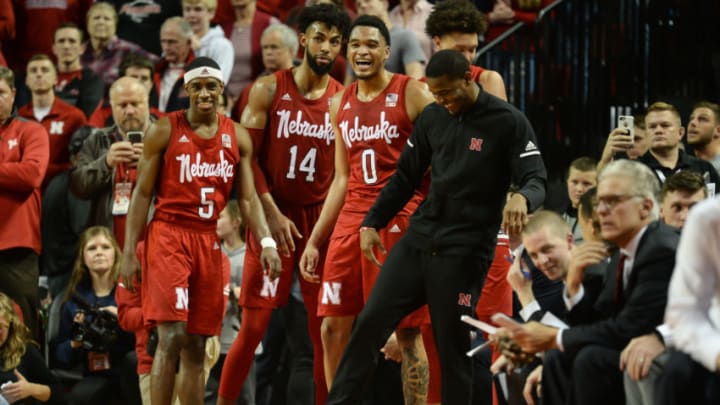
{"x":704,"y":132}
{"x":288,"y":120}
{"x":375,"y":116}
{"x":106,"y":167}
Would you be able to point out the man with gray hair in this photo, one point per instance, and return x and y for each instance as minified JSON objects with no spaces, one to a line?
{"x":176,"y":42}
{"x":279,"y":45}
{"x":586,"y":367}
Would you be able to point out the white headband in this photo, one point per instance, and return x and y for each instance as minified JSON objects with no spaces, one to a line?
{"x":203,"y":71}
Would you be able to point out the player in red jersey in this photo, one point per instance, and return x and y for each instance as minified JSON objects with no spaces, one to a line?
{"x":373,"y":118}
{"x":287,"y":117}
{"x":189,"y":162}
{"x":59,"y":118}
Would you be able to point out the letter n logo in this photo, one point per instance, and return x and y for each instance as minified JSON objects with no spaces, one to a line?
{"x":56,"y":127}
{"x":269,"y":288}
{"x":464,"y":299}
{"x":331,"y":293}
{"x":476,"y":144}
{"x":182,"y":298}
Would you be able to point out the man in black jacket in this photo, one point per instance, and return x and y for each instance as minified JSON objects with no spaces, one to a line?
{"x":474,"y":145}
{"x":586,"y":370}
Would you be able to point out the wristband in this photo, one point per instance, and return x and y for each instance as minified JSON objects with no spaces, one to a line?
{"x":268,"y":242}
{"x":367,"y":228}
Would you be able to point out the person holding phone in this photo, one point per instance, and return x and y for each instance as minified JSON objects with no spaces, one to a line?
{"x":106,"y":167}
{"x":628,"y":139}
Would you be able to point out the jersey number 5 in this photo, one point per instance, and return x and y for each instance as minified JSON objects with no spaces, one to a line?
{"x":307,"y":165}
{"x":207,"y":205}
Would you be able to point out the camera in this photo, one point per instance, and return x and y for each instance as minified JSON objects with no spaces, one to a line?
{"x":99,"y":330}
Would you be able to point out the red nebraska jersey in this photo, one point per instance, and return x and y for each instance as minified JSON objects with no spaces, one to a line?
{"x":197,"y":174}
{"x":60,"y":123}
{"x":375,"y":133}
{"x":298,"y":148}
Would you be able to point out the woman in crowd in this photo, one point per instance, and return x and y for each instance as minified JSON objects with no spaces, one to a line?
{"x":23,"y":375}
{"x":89,"y":333}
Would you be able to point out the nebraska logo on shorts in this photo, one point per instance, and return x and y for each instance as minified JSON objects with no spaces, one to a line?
{"x":464,"y":300}
{"x":182,"y":298}
{"x":331,"y":293}
{"x":269,"y":288}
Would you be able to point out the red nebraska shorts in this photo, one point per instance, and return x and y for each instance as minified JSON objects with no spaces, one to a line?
{"x":348,"y":276}
{"x":183,"y":277}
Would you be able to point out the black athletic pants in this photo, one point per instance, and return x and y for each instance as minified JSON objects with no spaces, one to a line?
{"x":409,"y":278}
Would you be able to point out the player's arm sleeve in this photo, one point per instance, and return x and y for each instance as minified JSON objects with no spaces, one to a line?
{"x":412,"y":165}
{"x":528,"y":168}
{"x":25,"y":175}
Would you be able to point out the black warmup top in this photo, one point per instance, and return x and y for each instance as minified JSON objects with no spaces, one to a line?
{"x":473,"y":159}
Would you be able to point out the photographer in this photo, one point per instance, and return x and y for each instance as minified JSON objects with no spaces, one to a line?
{"x":89,"y":332}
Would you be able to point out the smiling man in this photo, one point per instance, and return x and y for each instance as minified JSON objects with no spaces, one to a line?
{"x":374,"y":117}
{"x":631,"y":303}
{"x":474,"y":145}
{"x":191,"y":160}
{"x":288,"y":120}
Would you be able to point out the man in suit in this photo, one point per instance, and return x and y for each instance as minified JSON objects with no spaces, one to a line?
{"x":585,"y":369}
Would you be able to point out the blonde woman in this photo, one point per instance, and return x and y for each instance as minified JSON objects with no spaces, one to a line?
{"x":23,"y":375}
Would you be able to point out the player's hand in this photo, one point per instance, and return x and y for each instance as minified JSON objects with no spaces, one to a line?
{"x":639,"y":354}
{"x":272,"y":265}
{"x":392,"y":349}
{"x":119,"y":152}
{"x":581,"y":257}
{"x":515,"y":214}
{"x":369,"y":240}
{"x":283,"y":230}
{"x":129,"y":270}
{"x":308,"y":263}
{"x":533,"y":383}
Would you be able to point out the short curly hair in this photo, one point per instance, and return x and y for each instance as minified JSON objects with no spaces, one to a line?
{"x":455,"y":16}
{"x":329,"y":14}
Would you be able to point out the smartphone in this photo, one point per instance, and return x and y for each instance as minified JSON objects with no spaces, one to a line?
{"x":135,"y":137}
{"x":627,"y":122}
{"x":505,"y":321}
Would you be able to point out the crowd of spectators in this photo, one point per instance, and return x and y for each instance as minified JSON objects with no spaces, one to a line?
{"x":82,"y":80}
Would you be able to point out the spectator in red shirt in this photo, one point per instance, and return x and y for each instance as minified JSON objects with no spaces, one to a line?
{"x":35,"y":23}
{"x":59,"y":118}
{"x":104,"y":50}
{"x":7,"y":27}
{"x":23,"y":162}
{"x":75,"y":85}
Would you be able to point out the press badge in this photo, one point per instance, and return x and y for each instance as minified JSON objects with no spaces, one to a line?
{"x":98,"y":361}
{"x":121,"y":200}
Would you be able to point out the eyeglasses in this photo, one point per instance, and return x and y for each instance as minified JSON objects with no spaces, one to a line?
{"x":611,"y":201}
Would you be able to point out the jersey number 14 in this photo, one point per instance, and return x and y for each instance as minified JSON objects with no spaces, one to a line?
{"x":307,"y":165}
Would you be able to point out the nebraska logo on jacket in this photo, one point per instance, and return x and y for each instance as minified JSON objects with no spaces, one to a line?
{"x":476,"y":144}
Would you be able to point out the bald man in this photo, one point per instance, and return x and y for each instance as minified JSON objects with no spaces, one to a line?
{"x":106,"y":167}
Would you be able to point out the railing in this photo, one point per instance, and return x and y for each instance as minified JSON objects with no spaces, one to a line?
{"x":583,"y":62}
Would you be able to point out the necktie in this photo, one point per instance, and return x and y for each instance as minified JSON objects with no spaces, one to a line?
{"x":619,"y":278}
